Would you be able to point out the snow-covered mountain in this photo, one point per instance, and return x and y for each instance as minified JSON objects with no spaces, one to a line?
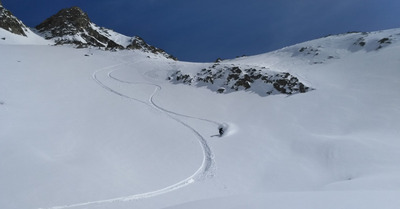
{"x":70,"y":26}
{"x":14,"y":31}
{"x":73,"y":26}
{"x":97,"y":129}
{"x":10,"y":23}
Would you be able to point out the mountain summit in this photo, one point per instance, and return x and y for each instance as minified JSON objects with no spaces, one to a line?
{"x":10,"y":23}
{"x":73,"y":26}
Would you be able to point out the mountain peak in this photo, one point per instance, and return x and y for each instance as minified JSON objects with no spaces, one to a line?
{"x":73,"y":26}
{"x":73,"y":9}
{"x":74,"y":15}
{"x":69,"y":21}
{"x":10,"y":23}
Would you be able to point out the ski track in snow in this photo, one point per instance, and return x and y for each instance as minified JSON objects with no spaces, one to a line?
{"x":159,"y":88}
{"x":207,"y":168}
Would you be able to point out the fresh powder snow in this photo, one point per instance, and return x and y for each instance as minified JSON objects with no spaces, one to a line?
{"x":88,"y":128}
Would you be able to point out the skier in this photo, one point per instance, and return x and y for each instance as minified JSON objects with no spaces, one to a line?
{"x":221,"y":131}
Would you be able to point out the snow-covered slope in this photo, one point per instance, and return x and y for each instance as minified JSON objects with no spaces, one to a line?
{"x":88,"y":128}
{"x":330,"y":48}
{"x":31,"y":38}
{"x":271,"y":73}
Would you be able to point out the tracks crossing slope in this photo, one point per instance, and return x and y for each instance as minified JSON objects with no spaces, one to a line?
{"x":206,"y":169}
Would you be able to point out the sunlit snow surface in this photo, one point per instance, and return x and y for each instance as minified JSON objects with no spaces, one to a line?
{"x":84,"y":128}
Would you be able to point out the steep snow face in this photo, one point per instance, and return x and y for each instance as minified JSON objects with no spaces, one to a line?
{"x":94,"y":129}
{"x":73,"y":26}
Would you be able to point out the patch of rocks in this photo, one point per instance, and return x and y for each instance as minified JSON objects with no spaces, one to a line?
{"x":231,"y":78}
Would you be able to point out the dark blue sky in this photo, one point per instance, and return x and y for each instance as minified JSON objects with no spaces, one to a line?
{"x":203,"y":30}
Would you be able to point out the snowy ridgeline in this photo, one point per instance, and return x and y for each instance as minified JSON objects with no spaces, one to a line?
{"x":73,"y":26}
{"x":70,"y":26}
{"x":246,"y":74}
{"x":336,"y":46}
{"x":224,"y":78}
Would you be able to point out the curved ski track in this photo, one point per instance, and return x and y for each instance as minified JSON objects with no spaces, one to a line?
{"x":206,"y":169}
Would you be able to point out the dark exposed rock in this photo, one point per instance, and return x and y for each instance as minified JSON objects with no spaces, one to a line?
{"x":71,"y":22}
{"x":139,"y":44}
{"x":73,"y":26}
{"x":66,"y":22}
{"x":221,"y":90}
{"x":10,"y":23}
{"x":218,"y":60}
{"x":226,"y":79}
{"x":384,"y":40}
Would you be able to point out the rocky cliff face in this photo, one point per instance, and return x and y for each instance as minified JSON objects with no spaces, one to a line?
{"x":73,"y":26}
{"x":10,"y":23}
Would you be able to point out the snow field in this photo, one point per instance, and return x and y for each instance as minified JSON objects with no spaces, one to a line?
{"x":94,"y":131}
{"x":73,"y":147}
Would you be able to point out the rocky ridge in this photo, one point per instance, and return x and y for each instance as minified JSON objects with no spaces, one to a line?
{"x":73,"y":26}
{"x":10,"y":23}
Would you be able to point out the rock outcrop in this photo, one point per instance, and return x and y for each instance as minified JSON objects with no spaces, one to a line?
{"x":231,"y":78}
{"x":10,"y":23}
{"x":73,"y":26}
